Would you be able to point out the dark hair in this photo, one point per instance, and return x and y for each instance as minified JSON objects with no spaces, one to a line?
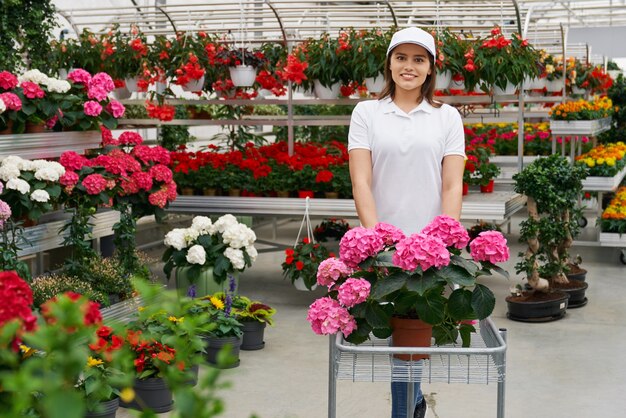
{"x":428,"y":88}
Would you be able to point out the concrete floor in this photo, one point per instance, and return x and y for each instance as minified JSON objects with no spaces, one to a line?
{"x":570,"y":368}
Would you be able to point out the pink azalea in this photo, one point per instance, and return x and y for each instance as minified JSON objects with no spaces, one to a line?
{"x":161,"y":173}
{"x":72,"y":161}
{"x":331,"y":270}
{"x":116,"y":109}
{"x":92,"y":108}
{"x":358,"y":244}
{"x":327,"y":317}
{"x":389,"y":233}
{"x":11,"y":100}
{"x":8,"y":81}
{"x":94,"y":183}
{"x":79,"y":76}
{"x":32,"y":90}
{"x":421,"y":250}
{"x":353,"y":292}
{"x":448,"y":230}
{"x":489,"y":246}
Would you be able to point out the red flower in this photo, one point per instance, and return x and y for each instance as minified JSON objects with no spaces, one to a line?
{"x":299,"y":265}
{"x":324,"y":176}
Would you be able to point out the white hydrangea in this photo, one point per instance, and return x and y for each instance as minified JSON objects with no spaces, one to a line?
{"x":35,"y":76}
{"x":224,"y":221}
{"x":238,"y":236}
{"x":3,"y":106}
{"x":191,"y":235}
{"x":196,"y":255}
{"x":40,"y":196}
{"x":47,"y":174}
{"x":12,"y":160}
{"x":18,"y":184}
{"x":236,"y":258}
{"x":176,"y":239}
{"x":8,"y":172}
{"x":58,"y":86}
{"x":202,"y":224}
{"x":49,"y":165}
{"x":252,"y":252}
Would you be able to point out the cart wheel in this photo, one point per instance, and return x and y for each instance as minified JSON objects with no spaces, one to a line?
{"x":622,"y":257}
{"x":582,"y":222}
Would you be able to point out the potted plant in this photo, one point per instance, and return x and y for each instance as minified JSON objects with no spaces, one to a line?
{"x":254,"y":316}
{"x":484,"y":171}
{"x":383,"y":278}
{"x":333,"y":228}
{"x":242,"y":64}
{"x":301,"y":263}
{"x":47,"y":287}
{"x":552,"y":186}
{"x":206,"y":253}
{"x":552,"y":70}
{"x":369,"y":53}
{"x":327,"y":58}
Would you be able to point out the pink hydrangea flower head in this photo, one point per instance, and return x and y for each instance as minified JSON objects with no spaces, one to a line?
{"x":421,"y":250}
{"x":8,"y":81}
{"x":5,"y":211}
{"x":97,"y":93}
{"x":32,"y":90}
{"x":70,"y":178}
{"x":107,"y":136}
{"x":327,"y":317}
{"x":11,"y":100}
{"x":171,"y":191}
{"x":129,"y":186}
{"x":489,"y":246}
{"x":331,"y":270}
{"x":130,"y":138}
{"x":72,"y":161}
{"x":449,"y":230}
{"x":161,"y":173}
{"x":92,"y":108}
{"x":158,"y":199}
{"x":358,"y":244}
{"x":116,"y":109}
{"x":353,"y":291}
{"x":79,"y":76}
{"x":94,"y":183}
{"x":50,"y":123}
{"x":143,"y":180}
{"x":389,"y":233}
{"x":102,"y":81}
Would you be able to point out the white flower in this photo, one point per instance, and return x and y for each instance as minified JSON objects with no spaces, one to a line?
{"x":58,"y":86}
{"x":176,"y":239}
{"x":47,"y":174}
{"x":40,"y":196}
{"x":18,"y":184}
{"x":252,"y":252}
{"x":238,"y":236}
{"x":12,"y":160}
{"x":196,"y":255}
{"x":8,"y":172}
{"x":236,"y":258}
{"x":202,"y":224}
{"x":224,"y":221}
{"x":3,"y":106}
{"x":35,"y":76}
{"x":191,"y":235}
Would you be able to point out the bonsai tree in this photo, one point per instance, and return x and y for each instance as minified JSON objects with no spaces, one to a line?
{"x":552,"y":186}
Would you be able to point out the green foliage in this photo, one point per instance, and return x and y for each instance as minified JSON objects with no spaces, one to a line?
{"x":173,"y":136}
{"x":247,"y":310}
{"x":11,"y":242}
{"x":369,"y":52}
{"x":303,"y":261}
{"x":333,"y":228}
{"x":617,"y":93}
{"x":49,"y":286}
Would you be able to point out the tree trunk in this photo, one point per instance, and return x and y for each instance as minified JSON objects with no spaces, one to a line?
{"x":536,"y":282}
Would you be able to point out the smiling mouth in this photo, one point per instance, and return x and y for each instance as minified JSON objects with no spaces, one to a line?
{"x":411,"y":76}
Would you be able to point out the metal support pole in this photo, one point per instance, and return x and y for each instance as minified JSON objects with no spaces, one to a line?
{"x":332,"y":379}
{"x":290,"y":119}
{"x":409,"y":397}
{"x":501,"y":381}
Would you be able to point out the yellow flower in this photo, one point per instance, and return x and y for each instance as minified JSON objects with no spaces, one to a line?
{"x":600,"y":161}
{"x":174,"y":319}
{"x":217,"y":302}
{"x":590,"y":162}
{"x":26,"y":351}
{"x":92,"y":362}
{"x":127,"y":395}
{"x":141,"y":308}
{"x":610,"y":161}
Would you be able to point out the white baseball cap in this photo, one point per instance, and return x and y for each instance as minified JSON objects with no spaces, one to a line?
{"x":415,"y":36}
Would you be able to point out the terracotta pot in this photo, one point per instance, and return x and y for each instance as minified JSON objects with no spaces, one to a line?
{"x":209,"y":192}
{"x":305,"y":193}
{"x":234,"y":192}
{"x":488,"y":188}
{"x":410,"y":333}
{"x":282,"y":193}
{"x":34,"y":128}
{"x":465,"y":188}
{"x":187,"y":191}
{"x":9,"y":129}
{"x":331,"y":195}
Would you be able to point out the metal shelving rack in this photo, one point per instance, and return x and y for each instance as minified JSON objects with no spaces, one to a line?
{"x":484,"y":362}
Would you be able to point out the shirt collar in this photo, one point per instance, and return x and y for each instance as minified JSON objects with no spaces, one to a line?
{"x":388,"y":106}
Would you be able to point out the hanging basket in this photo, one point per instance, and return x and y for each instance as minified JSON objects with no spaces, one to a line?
{"x":508,"y":90}
{"x":443,"y":80}
{"x":323,"y":92}
{"x":194,"y":85}
{"x":554,"y":86}
{"x":242,"y":75}
{"x":131,"y":84}
{"x":375,"y":84}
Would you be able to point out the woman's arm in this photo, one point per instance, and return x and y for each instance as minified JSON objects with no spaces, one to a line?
{"x":361,"y":176}
{"x":452,"y":185}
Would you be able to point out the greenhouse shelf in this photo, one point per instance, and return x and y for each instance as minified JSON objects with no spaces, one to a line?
{"x":48,"y":145}
{"x":612,"y":239}
{"x":579,"y":127}
{"x":604,"y":184}
{"x":484,"y":362}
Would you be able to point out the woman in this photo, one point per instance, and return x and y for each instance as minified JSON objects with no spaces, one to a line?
{"x":407,"y":155}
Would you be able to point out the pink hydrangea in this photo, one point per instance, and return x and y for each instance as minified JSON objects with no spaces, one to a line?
{"x":107,"y":136}
{"x":70,"y":178}
{"x":449,"y":230}
{"x":92,"y":108}
{"x":130,"y":138}
{"x":148,"y":154}
{"x":143,"y":180}
{"x":160,"y":155}
{"x":116,"y":109}
{"x":32,"y":90}
{"x":331,"y":270}
{"x":353,"y":292}
{"x":8,"y":81}
{"x":72,"y":161}
{"x":389,"y":233}
{"x":170,"y":189}
{"x":129,"y":186}
{"x":358,"y":244}
{"x":328,"y":317}
{"x":489,"y":246}
{"x":50,"y":123}
{"x":94,"y":183}
{"x":97,"y":93}
{"x":79,"y":76}
{"x":158,"y":199}
{"x":421,"y":250}
{"x":161,"y":173}
{"x":5,"y":212}
{"x":11,"y":100}
{"x":102,"y":81}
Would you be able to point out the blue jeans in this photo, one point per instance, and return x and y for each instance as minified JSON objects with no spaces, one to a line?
{"x":399,"y":390}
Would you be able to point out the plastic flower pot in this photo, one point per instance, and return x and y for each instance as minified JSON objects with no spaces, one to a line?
{"x":488,"y":188}
{"x":443,"y":80}
{"x":465,"y":188}
{"x":253,"y":332}
{"x":509,"y":89}
{"x":194,"y":85}
{"x":215,"y":344}
{"x":299,"y":284}
{"x":375,"y":84}
{"x":150,"y":394}
{"x":305,"y":193}
{"x":106,"y":409}
{"x":131,"y":84}
{"x":323,"y":92}
{"x":203,"y":284}
{"x":242,"y":75}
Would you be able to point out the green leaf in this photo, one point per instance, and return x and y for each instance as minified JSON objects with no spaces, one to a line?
{"x":501,"y":271}
{"x":422,"y":283}
{"x":63,"y":404}
{"x":388,"y":284}
{"x":431,"y":308}
{"x":483,"y":301}
{"x":466,"y":331}
{"x":376,"y":316}
{"x":462,"y":262}
{"x":456,"y":275}
{"x":460,"y":304}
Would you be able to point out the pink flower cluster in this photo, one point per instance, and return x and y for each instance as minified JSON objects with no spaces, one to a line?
{"x":331,"y":270}
{"x":116,"y":109}
{"x":94,"y":183}
{"x":448,"y":230}
{"x":421,"y":250}
{"x":5,"y":212}
{"x":70,"y":178}
{"x":130,"y":138}
{"x":92,"y":108}
{"x":489,"y":246}
{"x":353,"y":291}
{"x":32,"y":90}
{"x":327,"y":317}
{"x":358,"y":244}
{"x":79,"y":76}
{"x":99,"y":86}
{"x":148,"y":154}
{"x":161,"y":197}
{"x":390,"y":234}
{"x":11,"y":100}
{"x":142,"y":180}
{"x":8,"y":81}
{"x":161,"y":173}
{"x":72,"y":161}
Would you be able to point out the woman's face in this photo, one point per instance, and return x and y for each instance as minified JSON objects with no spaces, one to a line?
{"x":409,"y":67}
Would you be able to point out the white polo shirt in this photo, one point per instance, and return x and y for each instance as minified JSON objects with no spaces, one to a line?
{"x":407,"y":155}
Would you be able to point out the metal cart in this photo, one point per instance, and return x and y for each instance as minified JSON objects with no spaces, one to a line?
{"x":484,"y":362}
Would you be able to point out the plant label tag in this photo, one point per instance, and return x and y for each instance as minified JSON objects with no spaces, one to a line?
{"x":562,"y":305}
